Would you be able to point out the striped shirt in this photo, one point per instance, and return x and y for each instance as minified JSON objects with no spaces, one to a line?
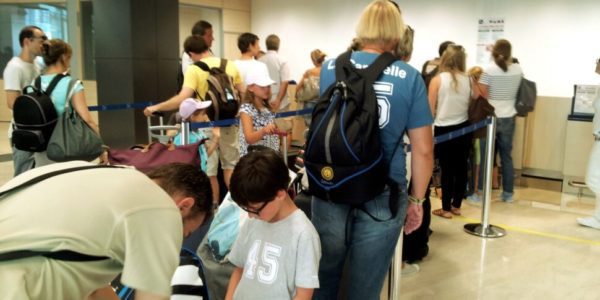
{"x":502,"y":88}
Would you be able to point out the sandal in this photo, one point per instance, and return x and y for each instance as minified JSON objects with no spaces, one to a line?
{"x":455,"y":211}
{"x":442,"y":213}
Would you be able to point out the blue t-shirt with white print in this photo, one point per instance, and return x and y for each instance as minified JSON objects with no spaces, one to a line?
{"x":402,"y":101}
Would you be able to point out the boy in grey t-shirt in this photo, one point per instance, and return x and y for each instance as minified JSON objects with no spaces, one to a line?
{"x":277,"y":251}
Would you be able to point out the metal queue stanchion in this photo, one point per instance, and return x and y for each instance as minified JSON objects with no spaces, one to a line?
{"x":185,"y":132}
{"x":485,"y":229}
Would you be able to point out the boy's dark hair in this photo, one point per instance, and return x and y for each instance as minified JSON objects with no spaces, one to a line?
{"x":443,"y":47}
{"x":186,"y":180}
{"x":272,"y":42}
{"x":27,"y":33}
{"x":245,"y":40}
{"x":258,"y":176}
{"x":200,"y":28}
{"x":194,"y":44}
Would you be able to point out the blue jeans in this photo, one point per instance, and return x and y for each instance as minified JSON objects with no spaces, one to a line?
{"x":22,"y":160}
{"x":505,"y":132}
{"x":351,"y":233}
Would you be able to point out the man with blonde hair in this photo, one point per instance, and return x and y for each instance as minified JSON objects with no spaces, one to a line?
{"x":365,"y":237}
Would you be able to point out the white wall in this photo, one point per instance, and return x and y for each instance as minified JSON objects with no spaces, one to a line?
{"x":556,"y":41}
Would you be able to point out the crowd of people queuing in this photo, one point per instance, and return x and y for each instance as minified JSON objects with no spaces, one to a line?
{"x":279,"y":252}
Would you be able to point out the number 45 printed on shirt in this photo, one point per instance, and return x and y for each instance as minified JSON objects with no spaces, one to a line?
{"x":268,"y":266}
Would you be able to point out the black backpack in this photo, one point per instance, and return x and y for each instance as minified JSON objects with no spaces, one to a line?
{"x":34,"y":116}
{"x":343,"y":157}
{"x":225,"y":99}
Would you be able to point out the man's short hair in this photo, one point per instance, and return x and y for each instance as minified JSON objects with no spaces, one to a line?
{"x":179,"y":179}
{"x":272,"y":42}
{"x":194,"y":44}
{"x":258,"y":176}
{"x":27,"y":32}
{"x":245,"y":40}
{"x":200,"y":28}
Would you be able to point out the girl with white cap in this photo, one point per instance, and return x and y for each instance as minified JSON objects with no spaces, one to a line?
{"x":257,"y":120}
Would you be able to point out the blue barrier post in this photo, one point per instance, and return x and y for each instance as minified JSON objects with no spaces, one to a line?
{"x":485,"y":229}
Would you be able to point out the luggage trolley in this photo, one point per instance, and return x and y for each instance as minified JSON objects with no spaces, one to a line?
{"x":161,"y":133}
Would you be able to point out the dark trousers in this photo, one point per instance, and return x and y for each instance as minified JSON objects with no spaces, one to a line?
{"x":453,"y":156}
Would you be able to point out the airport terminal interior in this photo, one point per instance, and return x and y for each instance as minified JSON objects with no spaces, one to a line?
{"x":545,"y":253}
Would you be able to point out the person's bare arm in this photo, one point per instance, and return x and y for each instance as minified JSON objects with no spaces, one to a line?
{"x":11,"y":96}
{"x":234,"y":280}
{"x":171,"y":104}
{"x":82,"y":110}
{"x":421,"y":140}
{"x":303,"y":293}
{"x":250,"y":134}
{"x":141,"y":295}
{"x":104,"y":293}
{"x":434,"y":88}
{"x":484,"y":89}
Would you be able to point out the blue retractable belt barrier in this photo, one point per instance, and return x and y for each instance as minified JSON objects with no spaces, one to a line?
{"x":107,"y":107}
{"x":224,"y":123}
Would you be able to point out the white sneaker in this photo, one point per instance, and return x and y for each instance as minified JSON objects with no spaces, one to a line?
{"x":589,"y":222}
{"x":410,"y":269}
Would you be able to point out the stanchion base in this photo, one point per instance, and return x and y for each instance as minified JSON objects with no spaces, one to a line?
{"x":490,"y":232}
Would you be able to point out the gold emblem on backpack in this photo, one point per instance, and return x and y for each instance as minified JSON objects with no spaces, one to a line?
{"x":327,"y":173}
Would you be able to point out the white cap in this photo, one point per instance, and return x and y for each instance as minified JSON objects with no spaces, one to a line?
{"x":259,"y":76}
{"x":191,"y":105}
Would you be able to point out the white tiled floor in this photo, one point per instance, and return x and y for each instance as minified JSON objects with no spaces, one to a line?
{"x":545,"y":254}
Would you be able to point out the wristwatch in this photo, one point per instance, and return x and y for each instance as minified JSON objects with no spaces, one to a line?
{"x":415,"y":200}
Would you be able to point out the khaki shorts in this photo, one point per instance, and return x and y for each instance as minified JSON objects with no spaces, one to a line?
{"x":228,"y":151}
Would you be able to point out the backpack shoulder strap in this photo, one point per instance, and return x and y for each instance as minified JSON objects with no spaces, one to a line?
{"x":202,"y":65}
{"x":372,"y":72}
{"x":341,"y":62}
{"x":53,"y":83}
{"x":51,"y":174}
{"x":223,"y":65}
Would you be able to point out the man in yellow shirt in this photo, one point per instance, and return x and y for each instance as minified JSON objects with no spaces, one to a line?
{"x":196,"y":82}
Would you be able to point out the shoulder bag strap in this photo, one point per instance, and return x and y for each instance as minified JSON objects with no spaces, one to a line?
{"x":51,"y":174}
{"x":70,"y":93}
{"x":66,"y":255}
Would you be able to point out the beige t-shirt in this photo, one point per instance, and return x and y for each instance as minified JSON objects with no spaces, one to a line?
{"x":119,"y":213}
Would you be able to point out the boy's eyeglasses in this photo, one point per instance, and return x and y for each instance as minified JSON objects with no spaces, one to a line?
{"x":257,"y":211}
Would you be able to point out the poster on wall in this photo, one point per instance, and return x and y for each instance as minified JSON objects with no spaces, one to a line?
{"x":489,"y":30}
{"x":583,"y":100}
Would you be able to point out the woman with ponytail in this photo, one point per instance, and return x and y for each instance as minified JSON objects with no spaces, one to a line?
{"x":499,"y":84}
{"x":57,"y":57}
{"x":257,"y":120}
